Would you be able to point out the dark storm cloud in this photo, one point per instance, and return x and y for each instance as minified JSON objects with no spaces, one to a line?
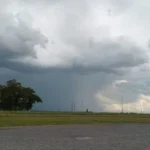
{"x":108,"y":56}
{"x":17,"y":40}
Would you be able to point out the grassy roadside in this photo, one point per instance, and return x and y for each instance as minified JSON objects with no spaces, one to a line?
{"x":51,"y":118}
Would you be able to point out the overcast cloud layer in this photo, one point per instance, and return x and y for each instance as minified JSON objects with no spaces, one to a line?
{"x":91,"y":52}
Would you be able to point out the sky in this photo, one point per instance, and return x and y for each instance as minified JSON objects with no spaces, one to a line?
{"x":94,"y":53}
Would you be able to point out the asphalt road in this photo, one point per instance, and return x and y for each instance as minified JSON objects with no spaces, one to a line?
{"x":77,"y":137}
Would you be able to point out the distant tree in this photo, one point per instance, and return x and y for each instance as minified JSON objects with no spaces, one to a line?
{"x":13,"y":96}
{"x":1,"y":88}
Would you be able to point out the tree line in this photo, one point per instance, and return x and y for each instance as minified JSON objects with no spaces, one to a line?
{"x":14,"y":96}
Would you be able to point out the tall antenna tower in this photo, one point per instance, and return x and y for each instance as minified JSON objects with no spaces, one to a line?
{"x":128,"y":108}
{"x":73,"y":105}
{"x":122,"y":110}
{"x":142,"y":109}
{"x":81,"y":104}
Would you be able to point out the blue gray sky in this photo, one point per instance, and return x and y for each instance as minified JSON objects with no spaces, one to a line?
{"x":93,"y":52}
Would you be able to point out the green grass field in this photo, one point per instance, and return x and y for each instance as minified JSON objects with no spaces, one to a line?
{"x":51,"y":118}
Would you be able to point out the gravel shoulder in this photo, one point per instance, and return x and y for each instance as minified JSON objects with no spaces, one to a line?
{"x":77,"y":137}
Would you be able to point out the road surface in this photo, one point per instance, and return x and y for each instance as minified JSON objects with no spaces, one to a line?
{"x":77,"y":137}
